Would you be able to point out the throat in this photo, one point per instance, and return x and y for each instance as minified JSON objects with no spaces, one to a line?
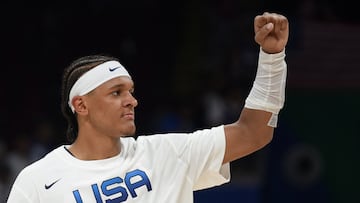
{"x":98,"y":151}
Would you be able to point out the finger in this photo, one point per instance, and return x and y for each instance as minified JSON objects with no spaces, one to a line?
{"x":280,"y":23}
{"x":259,"y":22}
{"x":284,"y":23}
{"x":263,"y":32}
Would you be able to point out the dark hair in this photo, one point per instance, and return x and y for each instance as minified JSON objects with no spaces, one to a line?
{"x":71,"y":74}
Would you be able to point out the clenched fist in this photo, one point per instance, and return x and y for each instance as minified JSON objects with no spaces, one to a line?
{"x":271,"y":32}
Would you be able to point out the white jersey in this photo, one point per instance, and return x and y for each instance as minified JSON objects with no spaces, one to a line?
{"x":163,"y":168}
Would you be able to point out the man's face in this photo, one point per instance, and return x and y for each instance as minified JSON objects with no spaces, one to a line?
{"x":111,"y":107}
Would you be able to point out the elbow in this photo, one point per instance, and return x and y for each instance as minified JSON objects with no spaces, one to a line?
{"x":242,"y":140}
{"x":260,"y":137}
{"x":264,"y":139}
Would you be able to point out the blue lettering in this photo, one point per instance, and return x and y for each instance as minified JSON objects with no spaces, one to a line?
{"x":116,"y":190}
{"x":77,"y":196}
{"x":132,"y":186}
{"x":112,"y":187}
{"x":96,"y":193}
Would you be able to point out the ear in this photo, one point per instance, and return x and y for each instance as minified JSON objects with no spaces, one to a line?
{"x":79,"y":105}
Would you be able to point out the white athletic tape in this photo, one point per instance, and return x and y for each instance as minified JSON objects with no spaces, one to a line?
{"x":95,"y":77}
{"x":268,"y":91}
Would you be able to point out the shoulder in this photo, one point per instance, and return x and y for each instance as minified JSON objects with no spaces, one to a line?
{"x":178,"y":141}
{"x":175,"y":137}
{"x":41,"y":165}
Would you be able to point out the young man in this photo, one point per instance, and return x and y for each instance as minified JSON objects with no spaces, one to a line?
{"x":105,"y":164}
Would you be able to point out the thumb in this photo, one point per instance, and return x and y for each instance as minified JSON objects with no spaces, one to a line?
{"x":263,"y":32}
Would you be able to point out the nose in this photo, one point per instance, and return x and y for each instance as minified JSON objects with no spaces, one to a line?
{"x":130,"y":100}
{"x":135,"y":102}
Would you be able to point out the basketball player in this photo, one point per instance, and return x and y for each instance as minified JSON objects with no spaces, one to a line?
{"x":104,"y":163}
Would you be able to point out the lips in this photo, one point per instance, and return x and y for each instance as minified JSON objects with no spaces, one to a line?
{"x":130,"y":116}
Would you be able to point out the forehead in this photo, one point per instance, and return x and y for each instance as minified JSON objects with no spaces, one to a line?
{"x":121,"y":81}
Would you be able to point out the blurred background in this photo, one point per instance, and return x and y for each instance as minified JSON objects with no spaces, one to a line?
{"x":193,"y":63}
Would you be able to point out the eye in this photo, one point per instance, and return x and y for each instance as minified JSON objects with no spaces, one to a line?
{"x":115,"y":93}
{"x":132,"y":91}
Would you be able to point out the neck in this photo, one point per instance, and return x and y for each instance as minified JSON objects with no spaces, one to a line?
{"x":86,"y":148}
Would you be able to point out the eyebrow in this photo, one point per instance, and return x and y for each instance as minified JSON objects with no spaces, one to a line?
{"x":120,"y":86}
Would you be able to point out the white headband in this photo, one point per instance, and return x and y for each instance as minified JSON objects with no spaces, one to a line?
{"x":95,"y":77}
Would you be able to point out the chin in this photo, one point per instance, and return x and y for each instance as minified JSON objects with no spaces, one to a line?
{"x":129,"y":131}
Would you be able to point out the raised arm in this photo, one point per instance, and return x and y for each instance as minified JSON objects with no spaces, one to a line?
{"x":257,"y":121}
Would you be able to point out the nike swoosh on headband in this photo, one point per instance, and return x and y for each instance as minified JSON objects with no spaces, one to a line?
{"x":112,"y":69}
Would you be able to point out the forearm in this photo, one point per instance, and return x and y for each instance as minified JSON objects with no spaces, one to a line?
{"x":268,"y":91}
{"x":254,"y":129}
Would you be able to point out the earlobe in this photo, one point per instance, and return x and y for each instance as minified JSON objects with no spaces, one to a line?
{"x":79,"y":105}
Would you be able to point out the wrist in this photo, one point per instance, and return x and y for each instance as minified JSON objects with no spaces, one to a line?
{"x":265,"y":57}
